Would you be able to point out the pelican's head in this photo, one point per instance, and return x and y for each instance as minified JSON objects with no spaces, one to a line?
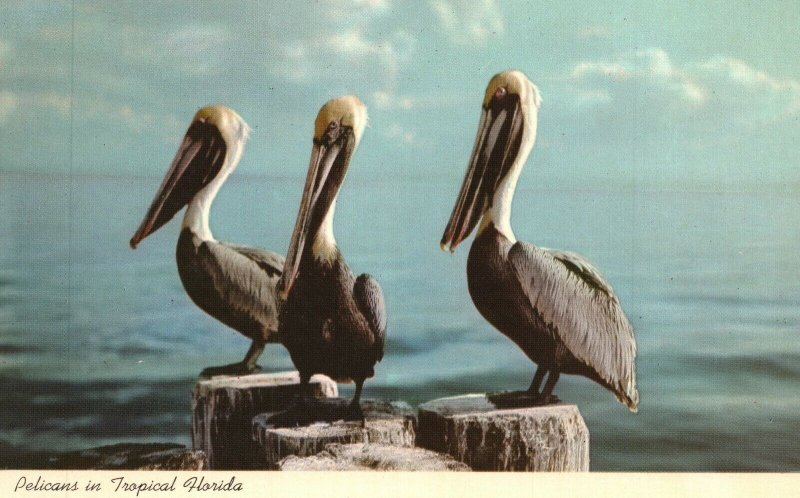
{"x":346,"y":114}
{"x":210,"y":151}
{"x":231,"y":126}
{"x":513,"y":83}
{"x":505,"y":137}
{"x":337,"y":132}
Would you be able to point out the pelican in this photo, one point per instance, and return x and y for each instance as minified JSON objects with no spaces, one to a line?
{"x":555,"y":305}
{"x":234,"y":284}
{"x":333,"y":323}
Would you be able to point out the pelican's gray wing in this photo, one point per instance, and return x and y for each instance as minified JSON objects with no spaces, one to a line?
{"x":570,"y":294}
{"x":581,"y":267}
{"x":270,"y":262}
{"x":369,"y":299}
{"x":243,"y":280}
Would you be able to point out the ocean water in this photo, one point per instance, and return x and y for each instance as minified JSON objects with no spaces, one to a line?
{"x":99,"y":344}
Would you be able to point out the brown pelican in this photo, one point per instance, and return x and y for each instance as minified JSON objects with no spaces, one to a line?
{"x":333,"y":323}
{"x":234,"y":284}
{"x":554,"y":305}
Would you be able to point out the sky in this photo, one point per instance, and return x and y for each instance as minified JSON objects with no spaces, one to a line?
{"x":636,"y":94}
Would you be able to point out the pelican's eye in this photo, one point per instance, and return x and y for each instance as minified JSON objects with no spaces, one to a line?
{"x":332,"y":132}
{"x":500,"y":92}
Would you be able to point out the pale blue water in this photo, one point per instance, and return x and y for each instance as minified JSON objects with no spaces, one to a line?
{"x":99,"y":344}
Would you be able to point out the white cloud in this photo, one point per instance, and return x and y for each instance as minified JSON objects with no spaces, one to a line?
{"x":340,"y":54}
{"x":719,"y":89}
{"x":339,"y":43}
{"x":397,"y":132}
{"x":373,"y":4}
{"x":55,"y":101}
{"x":338,"y":9}
{"x":115,"y":114}
{"x":740,"y":72}
{"x":386,"y":99}
{"x":194,"y":49}
{"x":469,"y":21}
{"x":650,"y":67}
{"x":8,"y":104}
{"x":97,"y":110}
{"x":735,"y":80}
{"x":353,"y":44}
{"x":195,"y":40}
{"x":584,"y":97}
{"x":11,"y":102}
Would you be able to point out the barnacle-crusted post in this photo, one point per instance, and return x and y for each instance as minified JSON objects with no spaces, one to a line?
{"x":473,"y":431}
{"x":223,"y":409}
{"x":372,"y":457}
{"x":390,"y":423}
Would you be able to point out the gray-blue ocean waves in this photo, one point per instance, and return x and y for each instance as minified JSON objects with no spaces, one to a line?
{"x":746,"y":368}
{"x":83,"y":412}
{"x":15,"y":349}
{"x":688,"y":429}
{"x":105,"y":338}
{"x":439,"y":339}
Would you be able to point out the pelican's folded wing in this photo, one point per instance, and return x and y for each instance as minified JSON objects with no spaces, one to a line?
{"x":244,"y":280}
{"x":576,"y":301}
{"x":369,"y":298}
{"x":270,"y":262}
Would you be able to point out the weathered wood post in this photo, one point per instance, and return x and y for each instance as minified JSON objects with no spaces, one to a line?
{"x":474,"y":431}
{"x":371,"y":457}
{"x":387,"y":422}
{"x":223,"y":409}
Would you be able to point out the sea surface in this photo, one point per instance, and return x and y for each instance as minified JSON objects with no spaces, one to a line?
{"x":99,"y":344}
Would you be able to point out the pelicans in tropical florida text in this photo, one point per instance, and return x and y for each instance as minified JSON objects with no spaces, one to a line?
{"x":553,"y":304}
{"x":332,"y":322}
{"x":232,"y":283}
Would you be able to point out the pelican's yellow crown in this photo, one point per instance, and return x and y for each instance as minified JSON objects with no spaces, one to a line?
{"x":347,"y":111}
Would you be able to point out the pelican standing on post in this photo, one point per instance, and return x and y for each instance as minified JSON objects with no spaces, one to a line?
{"x":554,"y":305}
{"x":332,"y":322}
{"x":234,"y":284}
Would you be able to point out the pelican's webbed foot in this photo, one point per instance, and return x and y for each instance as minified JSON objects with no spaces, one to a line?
{"x":353,"y":413}
{"x":301,"y":411}
{"x":547,"y":399}
{"x":521,"y":399}
{"x":233,"y":369}
{"x":305,"y":410}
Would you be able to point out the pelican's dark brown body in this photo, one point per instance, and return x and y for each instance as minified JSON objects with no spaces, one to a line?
{"x":331,"y":322}
{"x":232,"y":283}
{"x":498,"y":296}
{"x":328,"y":323}
{"x":553,"y":304}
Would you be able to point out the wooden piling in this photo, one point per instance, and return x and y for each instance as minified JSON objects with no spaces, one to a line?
{"x":372,"y":457}
{"x":223,"y":409}
{"x":387,"y":422}
{"x":473,"y":431}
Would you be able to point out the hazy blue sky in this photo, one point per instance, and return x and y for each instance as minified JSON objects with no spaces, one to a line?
{"x":635,"y":93}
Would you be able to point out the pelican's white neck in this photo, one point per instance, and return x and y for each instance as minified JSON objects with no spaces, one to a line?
{"x":499,"y":212}
{"x":324,"y":245}
{"x":196,"y":217}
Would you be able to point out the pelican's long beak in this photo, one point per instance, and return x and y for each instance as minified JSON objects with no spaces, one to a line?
{"x":198,"y":160}
{"x":326,"y":170}
{"x":497,"y":146}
